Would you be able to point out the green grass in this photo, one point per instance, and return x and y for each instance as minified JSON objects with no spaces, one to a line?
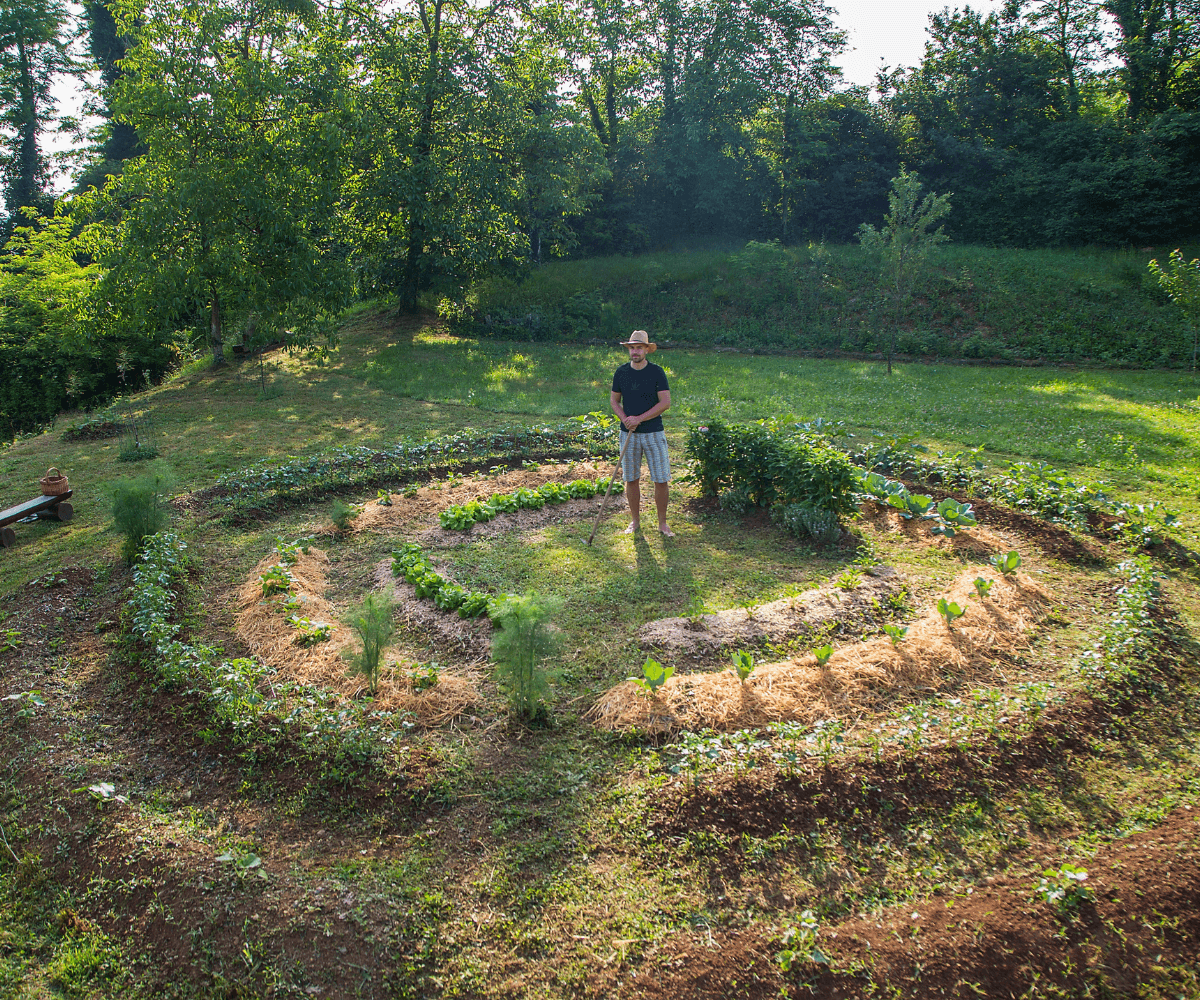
{"x":1058,"y":305}
{"x":1134,"y":429}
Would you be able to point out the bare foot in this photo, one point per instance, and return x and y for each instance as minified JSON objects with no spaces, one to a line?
{"x":666,"y":531}
{"x":632,"y":529}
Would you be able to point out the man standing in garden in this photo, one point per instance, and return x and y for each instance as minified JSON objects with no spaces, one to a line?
{"x":639,"y":398}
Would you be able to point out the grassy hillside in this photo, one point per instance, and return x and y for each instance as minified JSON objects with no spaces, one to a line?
{"x":978,"y":303}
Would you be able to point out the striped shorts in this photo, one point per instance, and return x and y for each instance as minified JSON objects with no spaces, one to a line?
{"x":654,"y":447}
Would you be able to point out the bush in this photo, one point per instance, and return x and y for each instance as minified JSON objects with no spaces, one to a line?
{"x":343,"y":514}
{"x":372,"y":621}
{"x":773,"y":463}
{"x":802,"y":521}
{"x":522,"y":641}
{"x":139,"y":509}
{"x":736,"y":499}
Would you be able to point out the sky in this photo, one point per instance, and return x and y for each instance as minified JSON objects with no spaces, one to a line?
{"x":889,"y":30}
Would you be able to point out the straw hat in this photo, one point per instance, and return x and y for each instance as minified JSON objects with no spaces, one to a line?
{"x":642,"y":338}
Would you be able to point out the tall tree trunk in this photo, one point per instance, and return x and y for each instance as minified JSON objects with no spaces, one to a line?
{"x":25,"y":190}
{"x":216,"y":334}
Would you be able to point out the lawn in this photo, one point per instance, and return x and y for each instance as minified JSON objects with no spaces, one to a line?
{"x":486,"y":858}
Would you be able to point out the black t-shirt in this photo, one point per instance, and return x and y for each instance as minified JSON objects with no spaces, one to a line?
{"x":639,"y":392}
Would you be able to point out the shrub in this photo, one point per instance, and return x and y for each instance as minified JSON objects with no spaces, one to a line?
{"x":773,"y":462}
{"x":343,"y":514}
{"x":802,"y":521}
{"x":372,"y":622}
{"x":736,"y":499}
{"x":522,"y":641}
{"x":139,"y":510}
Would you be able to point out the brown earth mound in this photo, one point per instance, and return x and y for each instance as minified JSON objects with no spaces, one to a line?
{"x":261,"y":625}
{"x":705,"y":638}
{"x":1141,"y":932}
{"x":857,"y":677}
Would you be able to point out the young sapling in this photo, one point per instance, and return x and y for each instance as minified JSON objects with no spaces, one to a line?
{"x":654,"y":676}
{"x":743,"y":664}
{"x":823,"y":653}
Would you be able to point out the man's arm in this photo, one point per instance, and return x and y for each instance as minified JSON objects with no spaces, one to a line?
{"x":614,"y":400}
{"x":629,"y":423}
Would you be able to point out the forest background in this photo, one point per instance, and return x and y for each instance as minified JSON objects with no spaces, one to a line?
{"x":263,"y":164}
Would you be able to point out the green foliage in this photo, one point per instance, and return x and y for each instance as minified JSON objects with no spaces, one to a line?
{"x":805,"y":522}
{"x":1007,"y":563}
{"x":450,"y":596}
{"x":953,"y":517}
{"x":895,"y":632}
{"x":424,"y":677}
{"x":1180,"y":279}
{"x":276,"y":580}
{"x":343,"y":514}
{"x":774,"y":462}
{"x":372,"y":623}
{"x":1064,"y":888}
{"x":459,"y":517}
{"x":1130,"y":635}
{"x":311,"y":633}
{"x":383,"y":498}
{"x":521,"y":643}
{"x":743,"y":664}
{"x":27,"y":702}
{"x":654,"y":676}
{"x":848,"y":579}
{"x":139,"y":509}
{"x":949,"y":610}
{"x":982,"y":586}
{"x":800,"y":946}
{"x":823,"y":653}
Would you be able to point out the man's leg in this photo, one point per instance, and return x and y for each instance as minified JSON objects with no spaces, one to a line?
{"x":660,"y":501}
{"x":633,"y":496}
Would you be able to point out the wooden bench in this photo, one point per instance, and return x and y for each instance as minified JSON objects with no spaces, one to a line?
{"x":48,"y":507}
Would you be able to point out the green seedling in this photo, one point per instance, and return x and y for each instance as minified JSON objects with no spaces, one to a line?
{"x":244,"y":863}
{"x":103,"y":791}
{"x":28,"y":702}
{"x":849,"y":579}
{"x":743,"y":664}
{"x":311,"y":632}
{"x":1064,"y":888}
{"x":1006,"y":564}
{"x":823,"y":653}
{"x":343,"y":514}
{"x":949,"y":610}
{"x":800,"y":944}
{"x":276,"y":580}
{"x":383,"y":498}
{"x":654,"y":676}
{"x":982,"y":586}
{"x":424,"y":677}
{"x":10,"y":640}
{"x":896,"y":633}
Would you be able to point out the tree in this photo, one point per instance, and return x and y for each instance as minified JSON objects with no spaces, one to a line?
{"x":1159,"y":46}
{"x":118,"y":140}
{"x":230,"y":213}
{"x":1073,"y":31}
{"x":1181,"y":281}
{"x":904,"y":242}
{"x":33,"y":50}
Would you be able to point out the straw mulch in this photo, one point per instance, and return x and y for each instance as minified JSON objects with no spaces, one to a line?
{"x":261,"y":625}
{"x":979,"y":541}
{"x":860,"y":677}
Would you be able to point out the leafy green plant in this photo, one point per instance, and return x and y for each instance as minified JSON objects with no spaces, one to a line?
{"x":428,"y":583}
{"x":800,"y":946}
{"x":1064,"y":888}
{"x":953,"y":517}
{"x":424,"y":676}
{"x":848,"y":579}
{"x":1006,"y":564}
{"x":823,"y":653}
{"x":243,"y":862}
{"x":743,"y":664}
{"x":311,"y":633}
{"x":949,"y":610}
{"x":27,"y":703}
{"x":139,"y":510}
{"x":450,"y":596}
{"x":372,"y":623}
{"x":982,"y":586}
{"x":654,"y":676}
{"x":736,"y":500}
{"x":289,"y":552}
{"x":528,"y":499}
{"x":10,"y":640}
{"x":895,"y":632}
{"x":804,"y":521}
{"x":521,"y":643}
{"x":1144,"y":524}
{"x":474,"y":604}
{"x":383,"y":498}
{"x":276,"y":580}
{"x":343,"y":514}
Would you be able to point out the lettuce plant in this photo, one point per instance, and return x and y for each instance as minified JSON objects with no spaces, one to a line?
{"x":654,"y":676}
{"x":1006,"y":564}
{"x":982,"y":586}
{"x":895,"y":632}
{"x":743,"y":664}
{"x":949,"y":610}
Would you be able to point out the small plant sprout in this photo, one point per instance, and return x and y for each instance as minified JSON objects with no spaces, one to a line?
{"x":28,"y":702}
{"x":800,"y":944}
{"x":372,"y":622}
{"x":1064,"y":888}
{"x":823,"y":653}
{"x":244,"y":863}
{"x":343,"y":514}
{"x":743,"y":664}
{"x":276,"y":580}
{"x":949,"y":610}
{"x":849,"y":579}
{"x":654,"y":676}
{"x":104,"y":791}
{"x":10,"y":640}
{"x":383,"y":498}
{"x":953,"y":517}
{"x":896,"y":633}
{"x":1006,"y":564}
{"x":982,"y":586}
